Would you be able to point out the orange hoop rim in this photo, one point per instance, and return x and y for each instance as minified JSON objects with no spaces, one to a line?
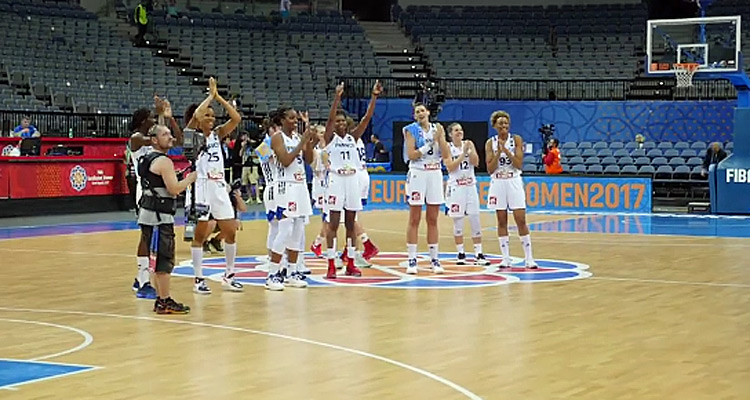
{"x":687,"y":66}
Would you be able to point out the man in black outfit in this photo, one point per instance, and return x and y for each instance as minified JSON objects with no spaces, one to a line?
{"x":380,"y":154}
{"x":714,"y":155}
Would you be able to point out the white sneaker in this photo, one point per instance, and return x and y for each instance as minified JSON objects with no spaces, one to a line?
{"x":481,"y":260}
{"x":531,"y":264}
{"x":412,"y":268}
{"x":228,"y":282}
{"x":503,"y":265}
{"x":302,"y":268}
{"x":360,"y":261}
{"x":297,"y":280}
{"x":436,"y":267}
{"x":200,"y":286}
{"x":274,"y":283}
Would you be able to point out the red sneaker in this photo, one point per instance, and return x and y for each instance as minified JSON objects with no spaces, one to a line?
{"x":370,"y":250}
{"x":317,"y":250}
{"x":344,"y":258}
{"x":351,"y":270}
{"x":331,"y":274}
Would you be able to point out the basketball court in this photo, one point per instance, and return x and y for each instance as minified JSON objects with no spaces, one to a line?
{"x":647,"y":307}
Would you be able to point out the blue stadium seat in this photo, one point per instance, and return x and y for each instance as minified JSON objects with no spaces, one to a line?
{"x":609,"y":161}
{"x":676,"y":161}
{"x":681,"y":172}
{"x":653,"y":153}
{"x":659,"y":161}
{"x":604,"y":153}
{"x":646,"y":170}
{"x":627,"y":160}
{"x":664,"y":145}
{"x":529,"y":168}
{"x":592,"y":161}
{"x":631,"y":146}
{"x":575,"y":161}
{"x":584,"y":145}
{"x":588,"y":153}
{"x":621,"y":153}
{"x":698,"y":146}
{"x":671,"y":153}
{"x":638,"y":153}
{"x":663,"y":172}
{"x":681,"y":145}
{"x":649,"y":145}
{"x":629,"y":170}
{"x":571,"y":152}
{"x":696,"y":174}
{"x":594,"y":169}
{"x":613,"y":170}
{"x":687,"y":153}
{"x":578,"y":169}
{"x":729,"y":146}
{"x":616,"y":145}
{"x":600,"y":145}
{"x":693,"y":161}
{"x":569,"y":145}
{"x":641,"y":161}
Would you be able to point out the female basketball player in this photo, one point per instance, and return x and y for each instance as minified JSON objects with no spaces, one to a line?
{"x":268,"y":168}
{"x":211,"y":195}
{"x":344,"y":192}
{"x":505,"y":160}
{"x":320,"y":182}
{"x":424,"y":143}
{"x":461,"y":196}
{"x":291,"y":152}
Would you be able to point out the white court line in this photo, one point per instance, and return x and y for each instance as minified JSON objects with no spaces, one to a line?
{"x":80,"y":253}
{"x":669,"y":282}
{"x":399,"y":364}
{"x":87,"y":338}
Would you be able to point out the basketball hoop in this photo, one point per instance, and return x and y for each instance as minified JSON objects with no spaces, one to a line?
{"x":684,"y":73}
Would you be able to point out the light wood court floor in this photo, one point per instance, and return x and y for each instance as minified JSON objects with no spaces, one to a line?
{"x":661,"y":317}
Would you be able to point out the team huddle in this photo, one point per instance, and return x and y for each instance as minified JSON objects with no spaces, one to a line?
{"x":336,"y":154}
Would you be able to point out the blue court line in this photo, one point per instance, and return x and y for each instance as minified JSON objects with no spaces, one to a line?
{"x":606,"y":223}
{"x":21,"y":372}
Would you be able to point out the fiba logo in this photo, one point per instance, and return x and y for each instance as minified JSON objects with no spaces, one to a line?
{"x":737,"y":175}
{"x":78,"y":178}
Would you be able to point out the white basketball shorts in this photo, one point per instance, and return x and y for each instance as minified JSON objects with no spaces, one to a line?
{"x":318,"y":192}
{"x":461,"y":200}
{"x":293,"y":199}
{"x":213,"y":194}
{"x":424,"y":187}
{"x":343,"y":193}
{"x":269,"y":198}
{"x":506,"y":194}
{"x":364,"y":184}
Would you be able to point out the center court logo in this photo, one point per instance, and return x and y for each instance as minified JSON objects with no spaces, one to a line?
{"x":389,"y":272}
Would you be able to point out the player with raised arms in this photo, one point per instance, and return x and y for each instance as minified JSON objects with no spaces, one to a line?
{"x":504,"y":162}
{"x":424,"y":143}
{"x":211,"y":196}
{"x":461,"y":196}
{"x":291,"y":152}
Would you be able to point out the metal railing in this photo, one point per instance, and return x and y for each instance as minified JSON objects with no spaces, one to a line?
{"x":535,"y":89}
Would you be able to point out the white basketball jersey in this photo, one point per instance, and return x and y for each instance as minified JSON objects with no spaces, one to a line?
{"x":362,"y":152}
{"x":431,"y":160}
{"x":210,"y":164}
{"x":295,"y":171}
{"x":319,"y":167}
{"x":268,"y":167}
{"x":136,"y":157}
{"x":464,"y":174}
{"x":342,"y":155}
{"x":504,"y":167}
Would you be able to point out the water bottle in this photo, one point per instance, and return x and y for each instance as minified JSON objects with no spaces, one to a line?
{"x":189,"y":229}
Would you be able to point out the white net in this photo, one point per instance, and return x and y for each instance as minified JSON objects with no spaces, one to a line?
{"x":684,"y":74}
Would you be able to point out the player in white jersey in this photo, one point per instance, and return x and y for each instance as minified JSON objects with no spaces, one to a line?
{"x":344,"y":193}
{"x":268,"y":169}
{"x":319,"y":185}
{"x":424,"y":143}
{"x":461,"y":196}
{"x":504,"y":162}
{"x":211,"y":195}
{"x":370,"y":250}
{"x":291,"y":152}
{"x":139,"y":145}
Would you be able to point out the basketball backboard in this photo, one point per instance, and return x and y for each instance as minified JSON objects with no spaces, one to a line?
{"x":711,"y":42}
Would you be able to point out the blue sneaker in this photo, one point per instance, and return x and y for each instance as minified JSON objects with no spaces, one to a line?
{"x":146,"y":292}
{"x":136,"y":285}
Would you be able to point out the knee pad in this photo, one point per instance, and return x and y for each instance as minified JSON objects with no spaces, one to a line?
{"x":458,"y":226}
{"x":296,"y":235}
{"x":476,"y":225}
{"x":282,"y":238}
{"x":273,"y":230}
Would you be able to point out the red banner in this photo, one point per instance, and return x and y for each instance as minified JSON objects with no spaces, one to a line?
{"x":64,"y":178}
{"x":92,"y":147}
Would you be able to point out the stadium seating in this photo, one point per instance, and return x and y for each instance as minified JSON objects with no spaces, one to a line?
{"x":670,"y":164}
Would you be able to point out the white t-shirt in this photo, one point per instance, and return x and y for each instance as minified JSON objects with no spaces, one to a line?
{"x":342,"y":155}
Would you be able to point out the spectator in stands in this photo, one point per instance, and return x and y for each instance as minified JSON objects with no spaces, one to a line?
{"x":172,"y":9}
{"x":285,"y":8}
{"x":639,"y":139}
{"x":380,"y":154}
{"x":26,"y":130}
{"x":141,"y":20}
{"x":552,"y":158}
{"x":714,"y":155}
